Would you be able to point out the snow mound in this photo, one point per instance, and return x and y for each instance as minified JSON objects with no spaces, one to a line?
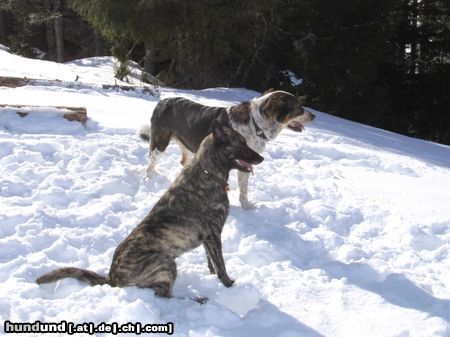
{"x":240,"y":298}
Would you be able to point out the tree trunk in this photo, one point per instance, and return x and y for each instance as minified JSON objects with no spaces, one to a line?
{"x":149,"y":64}
{"x":414,"y":38}
{"x":2,"y":28}
{"x":51,"y":44}
{"x":59,"y":33}
{"x":98,"y":44}
{"x":24,"y":28}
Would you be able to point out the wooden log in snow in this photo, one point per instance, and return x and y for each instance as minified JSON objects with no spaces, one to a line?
{"x":14,"y":82}
{"x":78,"y":114}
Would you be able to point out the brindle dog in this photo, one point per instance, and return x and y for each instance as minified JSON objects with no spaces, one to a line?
{"x":191,"y":212}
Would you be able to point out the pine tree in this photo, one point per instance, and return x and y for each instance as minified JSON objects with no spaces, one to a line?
{"x":341,"y":48}
{"x":31,"y":17}
{"x":46,"y":25}
{"x":420,"y":95}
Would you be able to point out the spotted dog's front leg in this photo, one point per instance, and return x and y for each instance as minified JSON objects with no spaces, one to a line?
{"x":159,"y":140}
{"x":153,"y":159}
{"x":242,"y":178}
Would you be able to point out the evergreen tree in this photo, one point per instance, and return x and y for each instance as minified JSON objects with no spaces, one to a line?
{"x":421,"y":73}
{"x":190,"y":43}
{"x":45,"y":27}
{"x":383,"y":62}
{"x":25,"y":16}
{"x":341,"y":48}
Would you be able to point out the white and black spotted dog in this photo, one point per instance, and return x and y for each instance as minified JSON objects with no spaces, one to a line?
{"x":188,"y":123}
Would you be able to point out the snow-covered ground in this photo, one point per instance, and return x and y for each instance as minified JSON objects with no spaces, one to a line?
{"x":351,"y":236}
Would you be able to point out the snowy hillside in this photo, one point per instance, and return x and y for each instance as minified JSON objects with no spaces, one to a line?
{"x":351,"y":236}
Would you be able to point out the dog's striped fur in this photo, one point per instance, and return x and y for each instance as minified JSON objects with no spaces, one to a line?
{"x":192,"y":212}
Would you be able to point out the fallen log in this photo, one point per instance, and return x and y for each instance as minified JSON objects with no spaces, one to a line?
{"x":14,"y":82}
{"x":78,"y":114}
{"x":11,"y":82}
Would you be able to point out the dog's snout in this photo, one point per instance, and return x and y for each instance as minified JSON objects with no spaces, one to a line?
{"x":258,"y":159}
{"x":309,"y":115}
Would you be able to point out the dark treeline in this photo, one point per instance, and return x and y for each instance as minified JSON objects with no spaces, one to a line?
{"x":381,"y":62}
{"x":48,"y":29}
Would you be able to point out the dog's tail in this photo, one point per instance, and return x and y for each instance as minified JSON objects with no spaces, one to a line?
{"x":79,"y":274}
{"x":144,"y":132}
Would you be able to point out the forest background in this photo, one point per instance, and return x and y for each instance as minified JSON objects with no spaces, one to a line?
{"x":384,"y":63}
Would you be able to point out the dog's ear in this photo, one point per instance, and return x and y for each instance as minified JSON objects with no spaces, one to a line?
{"x":218,"y":132}
{"x":276,"y":108}
{"x":267,"y":91}
{"x":241,"y":113}
{"x":282,"y":112}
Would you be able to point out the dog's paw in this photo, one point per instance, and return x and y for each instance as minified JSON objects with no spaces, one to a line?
{"x":247,"y":205}
{"x":228,"y":282}
{"x":150,"y":173}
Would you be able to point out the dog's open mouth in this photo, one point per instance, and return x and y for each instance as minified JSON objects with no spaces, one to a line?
{"x":243,"y":165}
{"x":296,"y":126}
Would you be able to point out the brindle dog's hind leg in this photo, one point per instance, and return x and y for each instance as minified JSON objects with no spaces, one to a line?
{"x":159,"y":274}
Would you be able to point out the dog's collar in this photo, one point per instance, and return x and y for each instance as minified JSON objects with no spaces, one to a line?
{"x":259,"y":131}
{"x":224,"y":183}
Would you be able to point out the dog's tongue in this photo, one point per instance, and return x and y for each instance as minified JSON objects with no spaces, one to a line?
{"x":248,"y":167}
{"x":296,"y":126}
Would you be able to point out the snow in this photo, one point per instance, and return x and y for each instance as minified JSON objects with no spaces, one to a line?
{"x":351,"y":236}
{"x":293,"y":78}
